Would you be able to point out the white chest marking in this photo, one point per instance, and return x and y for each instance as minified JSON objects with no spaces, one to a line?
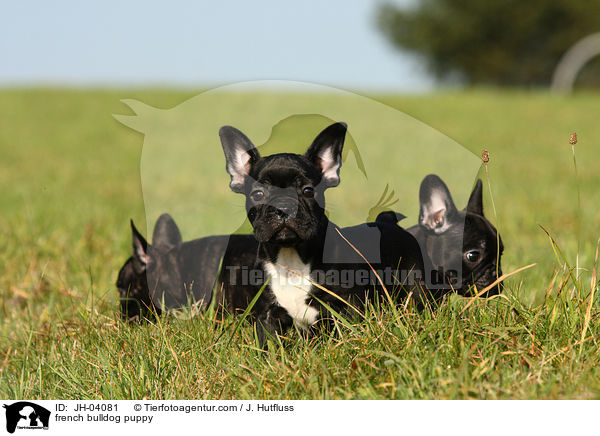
{"x":289,"y":282}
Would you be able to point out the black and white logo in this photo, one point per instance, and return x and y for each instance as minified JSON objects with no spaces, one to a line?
{"x":26,"y":415}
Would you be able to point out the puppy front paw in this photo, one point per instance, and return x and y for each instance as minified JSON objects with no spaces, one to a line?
{"x":273,"y":322}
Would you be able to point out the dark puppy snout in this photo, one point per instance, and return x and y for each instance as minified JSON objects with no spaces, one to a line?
{"x":285,"y":206}
{"x":490,"y":276}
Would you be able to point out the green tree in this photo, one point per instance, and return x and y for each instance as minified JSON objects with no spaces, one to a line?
{"x":491,"y":42}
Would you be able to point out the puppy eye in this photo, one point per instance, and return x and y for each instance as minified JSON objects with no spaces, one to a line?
{"x":308,"y":191}
{"x":472,"y":256}
{"x":257,"y":195}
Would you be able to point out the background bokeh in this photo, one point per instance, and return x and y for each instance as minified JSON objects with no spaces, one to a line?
{"x":199,"y":44}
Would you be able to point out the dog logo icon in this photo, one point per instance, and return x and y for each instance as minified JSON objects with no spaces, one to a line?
{"x":26,"y":415}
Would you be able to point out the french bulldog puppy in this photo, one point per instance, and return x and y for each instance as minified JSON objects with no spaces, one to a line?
{"x":463,"y":246}
{"x":302,"y":259}
{"x":170,"y":271}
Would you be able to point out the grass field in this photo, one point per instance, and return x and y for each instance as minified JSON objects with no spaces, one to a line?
{"x":70,"y":181}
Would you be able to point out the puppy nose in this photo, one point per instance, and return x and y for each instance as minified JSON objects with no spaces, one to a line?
{"x":284,"y":210}
{"x":285,"y":207}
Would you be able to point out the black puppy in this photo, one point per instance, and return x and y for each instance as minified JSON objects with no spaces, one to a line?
{"x":170,"y":272}
{"x":463,"y":246}
{"x":301,"y":255}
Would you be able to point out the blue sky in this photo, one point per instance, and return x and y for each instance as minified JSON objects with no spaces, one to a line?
{"x":177,"y":43}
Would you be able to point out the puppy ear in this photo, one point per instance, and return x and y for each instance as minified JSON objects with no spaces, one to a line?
{"x":437,"y":206}
{"x":475,"y":204}
{"x":326,"y":153}
{"x":140,"y":250}
{"x":240,"y":155}
{"x":166,"y":234}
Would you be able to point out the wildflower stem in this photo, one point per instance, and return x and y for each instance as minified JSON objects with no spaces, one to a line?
{"x":578,"y":216}
{"x":485,"y":157}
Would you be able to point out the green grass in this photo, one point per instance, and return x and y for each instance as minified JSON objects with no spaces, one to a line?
{"x":70,"y":181}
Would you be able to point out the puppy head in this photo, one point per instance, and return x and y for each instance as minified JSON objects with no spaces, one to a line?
{"x":462,"y":239}
{"x":133,"y":293}
{"x":284,"y":192}
{"x":152,"y":273}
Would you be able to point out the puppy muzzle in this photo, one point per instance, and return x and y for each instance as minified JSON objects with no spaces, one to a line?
{"x":284,"y":207}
